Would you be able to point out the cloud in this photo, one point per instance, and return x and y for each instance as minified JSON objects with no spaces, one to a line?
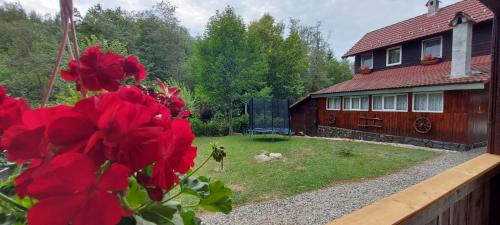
{"x":343,"y":21}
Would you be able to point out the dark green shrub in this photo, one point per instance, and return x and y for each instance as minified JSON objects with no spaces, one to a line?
{"x":240,"y":124}
{"x":213,"y":128}
{"x":198,"y":127}
{"x":216,"y":128}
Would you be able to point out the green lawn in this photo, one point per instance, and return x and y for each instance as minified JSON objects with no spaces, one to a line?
{"x":308,"y":164}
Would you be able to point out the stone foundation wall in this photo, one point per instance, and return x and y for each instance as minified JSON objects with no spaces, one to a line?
{"x":325,"y":131}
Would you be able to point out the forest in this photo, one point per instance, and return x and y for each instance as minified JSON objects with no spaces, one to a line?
{"x":218,"y":71}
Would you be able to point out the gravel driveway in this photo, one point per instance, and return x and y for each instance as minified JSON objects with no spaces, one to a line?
{"x":322,"y":206}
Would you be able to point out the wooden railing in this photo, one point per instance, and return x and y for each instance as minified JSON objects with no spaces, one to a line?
{"x":457,"y":196}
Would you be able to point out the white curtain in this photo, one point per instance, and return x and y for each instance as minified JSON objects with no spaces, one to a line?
{"x":436,"y":102}
{"x":355,"y":103}
{"x":337,"y":103}
{"x":364,"y":103}
{"x":402,"y":102}
{"x":347,"y":103}
{"x":389,"y":102}
{"x":420,"y":102}
{"x":377,"y":102}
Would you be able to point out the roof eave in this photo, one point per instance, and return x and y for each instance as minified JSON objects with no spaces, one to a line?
{"x":430,"y":88}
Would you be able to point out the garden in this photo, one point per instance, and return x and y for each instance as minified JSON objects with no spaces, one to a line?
{"x":307,"y":164}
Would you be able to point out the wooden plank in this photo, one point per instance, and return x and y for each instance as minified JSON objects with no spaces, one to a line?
{"x":444,"y":217}
{"x":433,"y":222}
{"x":460,"y":212}
{"x":397,"y":208}
{"x":475,"y":206}
{"x":493,"y":123}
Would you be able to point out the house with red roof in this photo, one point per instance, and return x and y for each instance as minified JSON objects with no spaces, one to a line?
{"x":423,"y":81}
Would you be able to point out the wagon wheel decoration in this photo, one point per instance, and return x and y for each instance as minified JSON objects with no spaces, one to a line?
{"x":423,"y":125}
{"x":332,"y":119}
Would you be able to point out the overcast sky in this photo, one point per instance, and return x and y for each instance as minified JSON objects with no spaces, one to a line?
{"x":343,"y":21}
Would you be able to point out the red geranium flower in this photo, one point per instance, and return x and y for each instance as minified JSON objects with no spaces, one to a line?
{"x":3,"y":94}
{"x":132,"y":67}
{"x":169,"y":97}
{"x":71,"y":192}
{"x":123,"y":127}
{"x":26,"y":142}
{"x":176,"y":156}
{"x":11,"y":110}
{"x":98,"y":70}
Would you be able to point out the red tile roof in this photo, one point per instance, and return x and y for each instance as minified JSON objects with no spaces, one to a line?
{"x":413,"y":76}
{"x":420,"y":26}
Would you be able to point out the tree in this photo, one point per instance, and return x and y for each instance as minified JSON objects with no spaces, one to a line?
{"x":154,"y":35}
{"x":28,"y":46}
{"x":228,"y":73}
{"x":324,"y":69}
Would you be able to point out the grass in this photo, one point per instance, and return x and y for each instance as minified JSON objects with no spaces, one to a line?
{"x":308,"y":164}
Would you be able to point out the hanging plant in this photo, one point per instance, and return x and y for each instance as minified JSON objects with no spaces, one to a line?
{"x":429,"y":59}
{"x":365,"y":70}
{"x":121,"y":156}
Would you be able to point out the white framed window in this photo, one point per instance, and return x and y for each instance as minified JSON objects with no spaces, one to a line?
{"x":428,"y":102}
{"x":367,"y":60}
{"x":334,"y":103}
{"x":432,"y":46}
{"x":394,"y":56}
{"x":390,"y":103}
{"x":356,"y":103}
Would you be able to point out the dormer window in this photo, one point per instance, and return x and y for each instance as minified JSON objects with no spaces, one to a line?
{"x":367,"y":60}
{"x":432,"y":47}
{"x":394,"y":56}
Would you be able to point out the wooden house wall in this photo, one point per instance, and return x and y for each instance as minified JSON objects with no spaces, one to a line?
{"x":478,"y":116}
{"x":412,"y":50}
{"x":304,"y":117}
{"x":451,"y":126}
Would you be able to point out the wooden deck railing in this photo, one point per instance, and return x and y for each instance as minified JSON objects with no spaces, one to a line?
{"x":457,"y":196}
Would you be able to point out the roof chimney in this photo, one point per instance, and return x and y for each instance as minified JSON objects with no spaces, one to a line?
{"x":432,"y":7}
{"x":462,"y":45}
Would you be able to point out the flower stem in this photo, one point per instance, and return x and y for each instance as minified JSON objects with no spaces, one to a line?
{"x":10,"y":201}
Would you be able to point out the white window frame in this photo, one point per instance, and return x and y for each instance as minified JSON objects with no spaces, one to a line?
{"x":395,"y":103}
{"x":432,"y":39}
{"x":333,"y":109}
{"x":427,"y":94}
{"x":371,"y":54}
{"x":360,"y":103}
{"x":400,"y":56}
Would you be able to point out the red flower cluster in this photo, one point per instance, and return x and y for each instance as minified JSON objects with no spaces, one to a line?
{"x":97,"y":70}
{"x":80,"y":157}
{"x":11,"y":110}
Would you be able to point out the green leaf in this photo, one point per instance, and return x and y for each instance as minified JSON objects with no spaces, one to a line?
{"x":141,"y":221}
{"x":219,"y":199}
{"x":136,"y":195}
{"x":195,"y":186}
{"x":166,"y":214}
{"x":189,"y":218}
{"x":218,"y":152}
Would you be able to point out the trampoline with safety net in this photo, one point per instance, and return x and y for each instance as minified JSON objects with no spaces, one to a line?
{"x":269,"y":116}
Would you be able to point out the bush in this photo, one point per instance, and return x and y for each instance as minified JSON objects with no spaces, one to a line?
{"x":347,"y":149}
{"x":206,"y":113}
{"x":240,"y":124}
{"x":213,"y":128}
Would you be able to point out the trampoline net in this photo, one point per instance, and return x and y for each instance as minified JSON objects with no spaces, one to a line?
{"x":269,"y":116}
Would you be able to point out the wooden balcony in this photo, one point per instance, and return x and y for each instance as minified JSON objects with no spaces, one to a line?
{"x":457,"y":196}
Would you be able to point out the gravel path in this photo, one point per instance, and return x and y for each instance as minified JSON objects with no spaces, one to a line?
{"x":322,"y":206}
